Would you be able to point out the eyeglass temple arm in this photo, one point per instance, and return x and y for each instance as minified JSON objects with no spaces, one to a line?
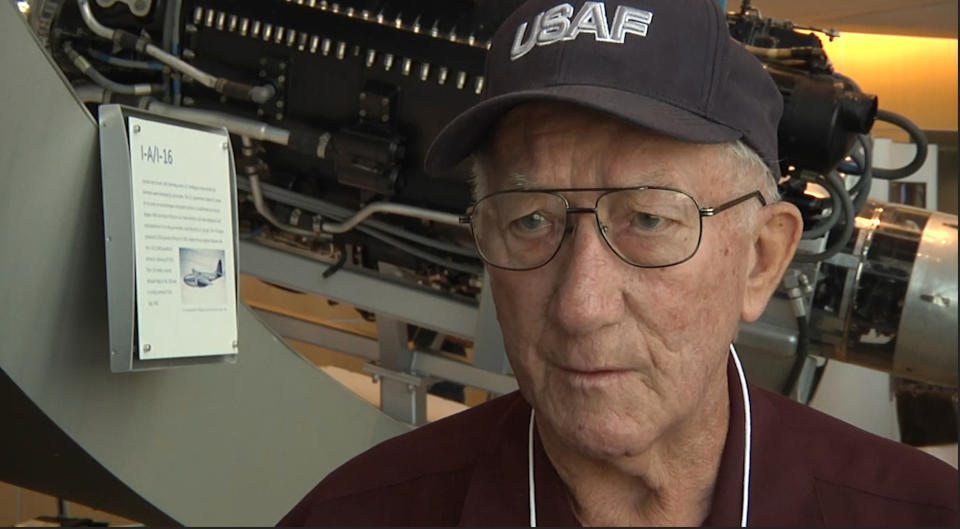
{"x":709,"y":212}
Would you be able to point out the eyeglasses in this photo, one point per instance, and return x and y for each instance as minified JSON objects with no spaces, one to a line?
{"x":646,"y":226}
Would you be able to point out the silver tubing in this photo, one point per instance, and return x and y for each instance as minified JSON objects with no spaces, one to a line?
{"x":396,"y":209}
{"x":92,"y":22}
{"x":256,"y":130}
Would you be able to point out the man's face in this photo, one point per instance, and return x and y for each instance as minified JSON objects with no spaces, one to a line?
{"x":611,"y":356}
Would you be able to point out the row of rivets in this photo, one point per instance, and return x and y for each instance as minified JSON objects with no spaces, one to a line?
{"x":397,"y":22}
{"x":267,"y":32}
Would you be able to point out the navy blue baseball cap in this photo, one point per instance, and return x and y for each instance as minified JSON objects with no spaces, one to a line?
{"x":666,"y":65}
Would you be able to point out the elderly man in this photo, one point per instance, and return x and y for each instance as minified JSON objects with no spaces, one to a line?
{"x":626,"y":164}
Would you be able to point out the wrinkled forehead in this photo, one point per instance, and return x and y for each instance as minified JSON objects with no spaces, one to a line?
{"x":546,"y":144}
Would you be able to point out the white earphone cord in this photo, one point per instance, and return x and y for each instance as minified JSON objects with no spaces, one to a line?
{"x":747,"y":428}
{"x":533,"y":492}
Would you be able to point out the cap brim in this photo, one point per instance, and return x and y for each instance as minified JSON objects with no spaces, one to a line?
{"x":460,"y":138}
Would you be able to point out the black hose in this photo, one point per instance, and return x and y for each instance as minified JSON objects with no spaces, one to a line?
{"x":835,"y":186}
{"x":861,"y":190}
{"x":863,"y":159}
{"x":817,"y":376}
{"x":824,"y":226}
{"x":335,"y":267}
{"x":917,"y":137}
{"x":803,"y":342}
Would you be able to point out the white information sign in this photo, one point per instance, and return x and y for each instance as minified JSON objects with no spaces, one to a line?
{"x":183,"y":241}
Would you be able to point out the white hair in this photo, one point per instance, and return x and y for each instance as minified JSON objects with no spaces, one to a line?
{"x":755,"y":169}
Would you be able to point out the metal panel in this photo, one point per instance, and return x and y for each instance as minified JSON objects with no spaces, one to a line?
{"x":421,"y":363}
{"x":488,"y":349}
{"x":447,"y":369}
{"x":207,"y":445}
{"x":930,"y":307}
{"x":313,"y":333}
{"x":402,"y":396}
{"x":384,"y":297}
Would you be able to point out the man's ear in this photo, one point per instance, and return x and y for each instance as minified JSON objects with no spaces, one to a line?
{"x":779,"y":226}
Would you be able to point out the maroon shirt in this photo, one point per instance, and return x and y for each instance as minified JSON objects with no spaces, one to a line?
{"x":807,"y":469}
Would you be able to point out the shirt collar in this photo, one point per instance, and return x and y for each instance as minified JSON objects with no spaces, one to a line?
{"x":498,"y":494}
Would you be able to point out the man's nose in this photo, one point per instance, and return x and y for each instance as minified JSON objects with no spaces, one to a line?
{"x":588,"y":294}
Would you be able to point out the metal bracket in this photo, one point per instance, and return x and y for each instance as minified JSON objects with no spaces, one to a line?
{"x":382,"y":373}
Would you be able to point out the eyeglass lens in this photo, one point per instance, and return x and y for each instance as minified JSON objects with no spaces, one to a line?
{"x":646,"y":227}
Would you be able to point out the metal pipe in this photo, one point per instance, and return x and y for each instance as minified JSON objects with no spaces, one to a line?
{"x":437,"y":366}
{"x":258,"y":202}
{"x":331,"y":210}
{"x":257,"y":130}
{"x":89,"y":93}
{"x":257,"y":94}
{"x":208,"y":80}
{"x":267,"y":214}
{"x":82,"y":64}
{"x":125,"y":63}
{"x":397,"y":209}
{"x":92,"y":22}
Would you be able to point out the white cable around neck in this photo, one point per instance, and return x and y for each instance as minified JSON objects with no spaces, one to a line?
{"x":747,"y":445}
{"x":533,"y":492}
{"x":747,"y":428}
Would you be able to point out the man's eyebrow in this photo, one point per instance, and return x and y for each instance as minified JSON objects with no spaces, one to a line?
{"x":515,"y":180}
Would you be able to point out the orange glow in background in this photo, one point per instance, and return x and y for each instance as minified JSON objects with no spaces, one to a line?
{"x":912,"y":76}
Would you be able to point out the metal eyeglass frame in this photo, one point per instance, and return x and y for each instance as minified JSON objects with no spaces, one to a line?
{"x":704,"y":212}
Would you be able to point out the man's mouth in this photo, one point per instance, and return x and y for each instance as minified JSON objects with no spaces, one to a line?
{"x":594,"y":375}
